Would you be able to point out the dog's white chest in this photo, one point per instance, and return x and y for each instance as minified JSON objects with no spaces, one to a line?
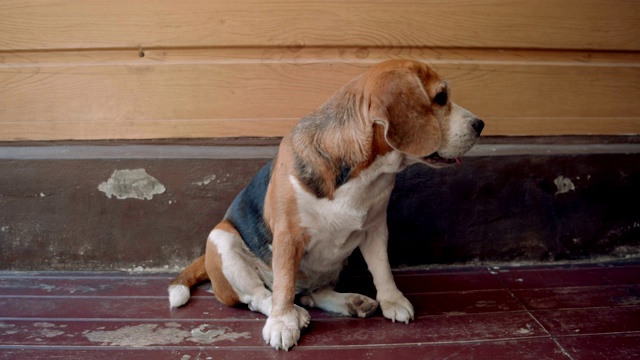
{"x":333,"y":223}
{"x":346,"y":212}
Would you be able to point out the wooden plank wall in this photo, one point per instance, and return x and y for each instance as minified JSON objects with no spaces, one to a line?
{"x":121,"y":69}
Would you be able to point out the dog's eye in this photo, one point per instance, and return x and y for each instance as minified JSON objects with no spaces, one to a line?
{"x":441,"y":98}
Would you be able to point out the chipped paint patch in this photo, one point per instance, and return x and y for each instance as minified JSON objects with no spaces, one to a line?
{"x":564,"y":185}
{"x":454,"y":313}
{"x":45,"y":330}
{"x":206,"y":180}
{"x":628,"y":301}
{"x":523,"y":331}
{"x":154,"y":334}
{"x":219,"y":334}
{"x":139,"y":269}
{"x":627,"y":251}
{"x":137,"y":336}
{"x":44,"y":325}
{"x":527,"y":330}
{"x":67,"y":289}
{"x":6,"y":326}
{"x":131,"y":184}
{"x":487,"y":303}
{"x":51,"y":333}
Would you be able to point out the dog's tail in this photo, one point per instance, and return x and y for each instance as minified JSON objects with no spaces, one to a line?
{"x":180,"y":287}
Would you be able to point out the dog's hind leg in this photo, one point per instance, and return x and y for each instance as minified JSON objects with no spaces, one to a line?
{"x":348,"y":304}
{"x":239,"y":275}
{"x":232,"y":269}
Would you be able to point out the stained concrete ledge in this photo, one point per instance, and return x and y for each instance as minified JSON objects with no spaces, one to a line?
{"x":114,"y":205}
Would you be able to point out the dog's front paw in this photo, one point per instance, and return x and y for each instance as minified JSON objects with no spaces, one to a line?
{"x":397,"y":308}
{"x":282,"y":332}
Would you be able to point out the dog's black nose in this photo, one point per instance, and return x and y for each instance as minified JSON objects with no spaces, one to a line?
{"x":477,"y":125}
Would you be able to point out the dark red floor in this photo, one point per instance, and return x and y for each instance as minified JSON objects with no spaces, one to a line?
{"x":560,"y":312}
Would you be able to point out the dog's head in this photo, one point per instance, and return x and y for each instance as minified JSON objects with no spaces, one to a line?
{"x":414,"y":105}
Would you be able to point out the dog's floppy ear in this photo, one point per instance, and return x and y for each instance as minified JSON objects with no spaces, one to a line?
{"x":400,"y":103}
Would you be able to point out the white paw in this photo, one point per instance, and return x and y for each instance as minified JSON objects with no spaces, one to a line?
{"x":307,"y":301}
{"x":397,"y":308}
{"x":282,"y":332}
{"x":360,"y":305}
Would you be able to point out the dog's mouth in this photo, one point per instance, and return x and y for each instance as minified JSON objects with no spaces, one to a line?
{"x":436,"y":160}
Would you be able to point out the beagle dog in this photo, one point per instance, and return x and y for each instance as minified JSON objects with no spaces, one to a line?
{"x":290,"y":231}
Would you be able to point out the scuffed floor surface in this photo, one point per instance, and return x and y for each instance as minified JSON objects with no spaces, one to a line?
{"x":560,"y":312}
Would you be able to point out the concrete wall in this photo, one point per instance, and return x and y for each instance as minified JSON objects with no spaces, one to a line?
{"x":83,"y":207}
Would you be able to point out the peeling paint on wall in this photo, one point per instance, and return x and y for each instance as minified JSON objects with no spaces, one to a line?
{"x":564,"y":185}
{"x":206,"y":180}
{"x":131,"y":184}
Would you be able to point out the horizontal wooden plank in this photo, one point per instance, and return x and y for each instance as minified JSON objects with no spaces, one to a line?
{"x":572,"y":298}
{"x":204,"y":305}
{"x":264,"y":92}
{"x":190,"y":91}
{"x":525,"y":349}
{"x":550,"y":126}
{"x":79,"y":286}
{"x":154,"y":129}
{"x":76,"y":24}
{"x":138,"y":307}
{"x":121,"y":285}
{"x":323,"y":333}
{"x":133,"y":333}
{"x":310,"y":55}
{"x":194,"y":129}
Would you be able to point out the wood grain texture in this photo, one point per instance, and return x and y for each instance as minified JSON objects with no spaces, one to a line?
{"x":98,"y":69}
{"x":216,"y":128}
{"x":89,"y":24}
{"x":263,"y":92}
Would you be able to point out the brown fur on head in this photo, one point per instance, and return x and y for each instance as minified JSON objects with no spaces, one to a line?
{"x":393,"y":105}
{"x":332,"y":140}
{"x":399,"y":101}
